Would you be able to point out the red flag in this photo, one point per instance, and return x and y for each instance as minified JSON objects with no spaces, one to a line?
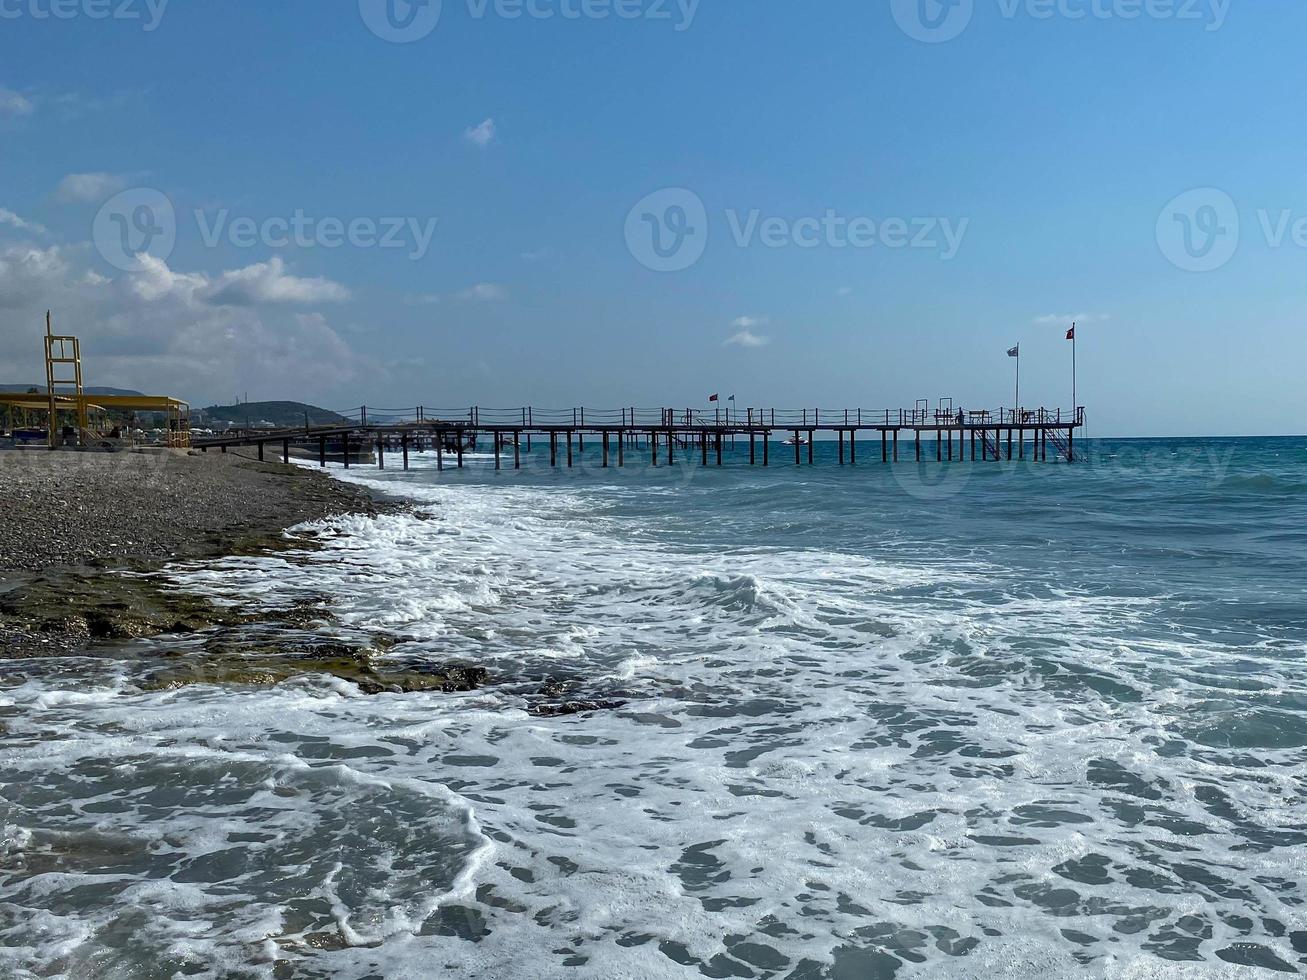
{"x":1071,"y":334}
{"x":712,"y":398}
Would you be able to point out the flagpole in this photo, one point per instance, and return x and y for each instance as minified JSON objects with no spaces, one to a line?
{"x":1016,"y":406}
{"x":1073,"y":369}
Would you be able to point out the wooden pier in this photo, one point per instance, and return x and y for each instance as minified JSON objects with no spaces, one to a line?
{"x":655,"y":434}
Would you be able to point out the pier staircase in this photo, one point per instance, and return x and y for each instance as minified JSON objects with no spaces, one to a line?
{"x":1061,"y":444}
{"x":992,"y":444}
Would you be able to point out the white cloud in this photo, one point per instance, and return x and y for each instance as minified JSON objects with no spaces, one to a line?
{"x":485,"y":291}
{"x":94,"y":187}
{"x":14,"y":221}
{"x":481,"y":292}
{"x":164,"y":331}
{"x":30,"y":275}
{"x":66,"y":105}
{"x":481,"y":134}
{"x":268,"y":282}
{"x":1068,"y":318}
{"x":73,"y":105}
{"x":155,"y":281}
{"x":15,"y":103}
{"x":746,"y":338}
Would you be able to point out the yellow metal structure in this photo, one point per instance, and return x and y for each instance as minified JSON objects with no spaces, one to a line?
{"x":63,"y":356}
{"x":63,"y":353}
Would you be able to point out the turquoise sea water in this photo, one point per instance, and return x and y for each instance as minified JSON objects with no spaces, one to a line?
{"x":937,"y":720}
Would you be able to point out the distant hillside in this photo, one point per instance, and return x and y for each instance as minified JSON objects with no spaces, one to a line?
{"x":264,"y":413}
{"x":90,"y":391}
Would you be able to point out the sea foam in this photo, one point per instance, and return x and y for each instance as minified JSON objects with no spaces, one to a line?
{"x":872,"y":755}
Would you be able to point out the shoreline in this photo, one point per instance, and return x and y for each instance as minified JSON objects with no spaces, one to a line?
{"x":83,"y":531}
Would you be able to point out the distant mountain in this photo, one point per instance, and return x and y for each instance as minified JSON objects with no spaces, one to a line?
{"x":89,"y":391}
{"x":280,"y":414}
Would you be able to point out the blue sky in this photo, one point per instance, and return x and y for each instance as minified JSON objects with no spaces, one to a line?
{"x":1054,"y":148}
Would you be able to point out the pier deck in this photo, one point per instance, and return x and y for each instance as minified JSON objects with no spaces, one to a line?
{"x":981,"y":435}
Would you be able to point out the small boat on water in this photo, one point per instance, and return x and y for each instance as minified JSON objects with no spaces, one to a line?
{"x":802,"y":442}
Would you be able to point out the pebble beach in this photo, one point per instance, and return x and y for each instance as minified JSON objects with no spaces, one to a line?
{"x":114,"y":509}
{"x":74,"y":523}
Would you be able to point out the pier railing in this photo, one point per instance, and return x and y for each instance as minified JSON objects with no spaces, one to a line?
{"x":456,"y":431}
{"x":721,"y":417}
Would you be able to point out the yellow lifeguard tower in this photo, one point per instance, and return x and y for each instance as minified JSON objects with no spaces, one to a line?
{"x":63,"y":353}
